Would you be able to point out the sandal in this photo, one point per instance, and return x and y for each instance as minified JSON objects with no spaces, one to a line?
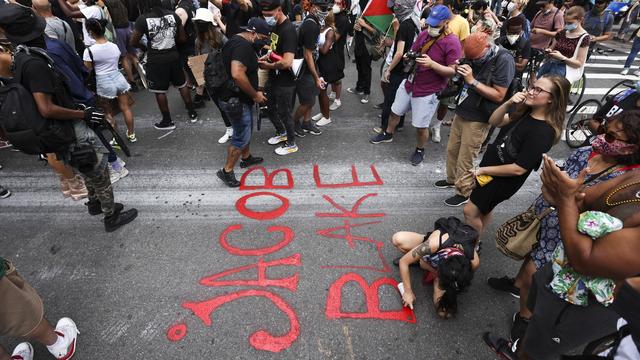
{"x":500,"y":346}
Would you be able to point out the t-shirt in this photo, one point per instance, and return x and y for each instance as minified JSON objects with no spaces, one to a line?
{"x":343,"y":28}
{"x":521,"y":49}
{"x":445,"y":51}
{"x":235,"y":18}
{"x":60,"y":30}
{"x":552,"y":20}
{"x":105,"y":57}
{"x":239,"y":49}
{"x":406,"y":32}
{"x":459,"y":26}
{"x":161,"y":28}
{"x":283,"y":40}
{"x":308,"y":36}
{"x":567,"y":46}
{"x":90,"y":12}
{"x":37,"y":76}
{"x":598,"y":24}
{"x":627,"y":100}
{"x":118,"y":12}
{"x":502,"y":75}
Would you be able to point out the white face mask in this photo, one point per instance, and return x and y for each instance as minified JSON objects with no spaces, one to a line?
{"x":336,"y":9}
{"x":513,"y":38}
{"x":511,"y":7}
{"x":434,"y":31}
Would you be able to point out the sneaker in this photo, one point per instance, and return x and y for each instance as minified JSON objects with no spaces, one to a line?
{"x":4,"y":193}
{"x":227,"y":135}
{"x":24,"y":351}
{"x":94,"y":207}
{"x":378,"y":106}
{"x":443,"y":184}
{"x":518,"y":327}
{"x":381,"y":138}
{"x":250,"y":161}
{"x":297,"y":128}
{"x":502,"y":347}
{"x":68,"y":331}
{"x":4,"y":144}
{"x":132,"y":136}
{"x":417,"y":157}
{"x":277,"y":139}
{"x":114,"y":144}
{"x":505,"y":284}
{"x":229,"y":178}
{"x":114,"y":176}
{"x":637,"y":72}
{"x":165,"y":126}
{"x":335,"y":105}
{"x":332,"y":96}
{"x":77,"y":189}
{"x":310,"y":128}
{"x":365,"y":99}
{"x":355,"y":91}
{"x":435,"y":135}
{"x":400,"y":128}
{"x":118,"y":171}
{"x":286,"y":149}
{"x":193,"y":116}
{"x":456,"y":200}
{"x":116,"y":220}
{"x":377,"y":130}
{"x":316,"y":117}
{"x":323,"y":122}
{"x":64,"y":187}
{"x":624,"y":71}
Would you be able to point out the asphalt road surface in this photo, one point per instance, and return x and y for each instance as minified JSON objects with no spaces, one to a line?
{"x":148,"y":290}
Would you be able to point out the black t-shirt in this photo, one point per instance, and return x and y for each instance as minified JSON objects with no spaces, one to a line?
{"x":343,"y":27}
{"x":407,"y":33}
{"x":239,"y":49}
{"x":37,"y":76}
{"x":308,"y":36}
{"x":235,"y":18}
{"x":161,"y":28}
{"x":520,"y":50}
{"x":286,"y":41}
{"x":627,"y":100}
{"x":189,"y":47}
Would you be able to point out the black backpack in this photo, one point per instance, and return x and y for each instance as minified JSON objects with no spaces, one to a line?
{"x":20,"y":120}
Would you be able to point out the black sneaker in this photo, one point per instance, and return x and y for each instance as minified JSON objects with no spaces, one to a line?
{"x":378,"y":106}
{"x":311,"y":128}
{"x":297,"y":128}
{"x":443,"y":184}
{"x":229,"y":178}
{"x":193,"y":116}
{"x":95,"y":208}
{"x":165,"y":125}
{"x":505,"y":284}
{"x":456,"y":200}
{"x":502,"y":347}
{"x":134,"y":87}
{"x":381,"y":138}
{"x":4,"y":193}
{"x":115,"y":221}
{"x":518,"y":327}
{"x":417,"y":157}
{"x":251,"y":160}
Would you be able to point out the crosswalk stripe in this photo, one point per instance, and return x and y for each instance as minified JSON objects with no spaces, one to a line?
{"x":609,"y":57}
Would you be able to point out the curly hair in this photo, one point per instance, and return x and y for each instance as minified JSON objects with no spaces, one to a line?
{"x":455,"y":275}
{"x":631,"y":126}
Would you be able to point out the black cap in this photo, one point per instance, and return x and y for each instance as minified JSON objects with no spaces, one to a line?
{"x":257,"y":25}
{"x":20,"y":24}
{"x":270,"y":4}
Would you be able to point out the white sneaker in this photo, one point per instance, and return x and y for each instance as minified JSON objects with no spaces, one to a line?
{"x":285,"y":149}
{"x":277,"y":139}
{"x":316,"y":117}
{"x":435,"y":135}
{"x":332,"y":96}
{"x":24,"y":351}
{"x":624,"y":71}
{"x":68,"y":333}
{"x":335,"y":105}
{"x":114,"y":176}
{"x":637,"y":72}
{"x":227,"y":135}
{"x":324,"y":121}
{"x":365,"y":99}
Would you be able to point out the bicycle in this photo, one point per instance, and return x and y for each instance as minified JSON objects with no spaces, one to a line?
{"x":577,"y":132}
{"x":618,"y":88}
{"x":531,"y":69}
{"x":576,"y":92}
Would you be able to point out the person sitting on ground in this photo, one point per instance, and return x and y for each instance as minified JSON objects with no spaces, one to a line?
{"x":447,"y":254}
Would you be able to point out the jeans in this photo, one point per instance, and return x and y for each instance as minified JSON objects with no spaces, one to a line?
{"x":552,"y":67}
{"x":635,"y":48}
{"x":241,"y":115}
{"x":280,"y":105}
{"x":389,"y":97}
{"x":363,"y":65}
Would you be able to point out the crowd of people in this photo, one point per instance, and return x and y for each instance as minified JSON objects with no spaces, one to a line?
{"x":76,"y":64}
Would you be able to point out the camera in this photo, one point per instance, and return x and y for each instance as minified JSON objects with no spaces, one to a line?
{"x":455,"y":83}
{"x":410,"y":60}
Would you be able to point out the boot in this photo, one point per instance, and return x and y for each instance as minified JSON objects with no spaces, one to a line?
{"x":77,"y":190}
{"x":95,"y":209}
{"x":64,"y":187}
{"x":117,"y":219}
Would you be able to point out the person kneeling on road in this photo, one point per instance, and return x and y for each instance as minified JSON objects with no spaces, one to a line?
{"x":238,"y":99}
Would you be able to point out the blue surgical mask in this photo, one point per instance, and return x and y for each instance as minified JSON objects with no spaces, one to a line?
{"x":571,"y":27}
{"x":271,"y":20}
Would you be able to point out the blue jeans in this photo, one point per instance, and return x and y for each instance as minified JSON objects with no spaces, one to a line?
{"x":241,"y":116}
{"x":552,"y":67}
{"x":635,"y":48}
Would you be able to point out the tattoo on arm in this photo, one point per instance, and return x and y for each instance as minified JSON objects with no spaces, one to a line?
{"x":421,"y":250}
{"x":278,"y":66}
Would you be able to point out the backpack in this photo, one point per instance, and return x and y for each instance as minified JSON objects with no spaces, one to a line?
{"x":300,"y":48}
{"x":216,"y":75}
{"x":20,"y":119}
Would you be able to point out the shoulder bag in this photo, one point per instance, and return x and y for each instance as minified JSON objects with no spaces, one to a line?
{"x":91,"y":81}
{"x":572,"y":74}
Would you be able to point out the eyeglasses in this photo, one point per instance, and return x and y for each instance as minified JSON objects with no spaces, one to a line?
{"x":609,"y":136}
{"x":536,"y":90}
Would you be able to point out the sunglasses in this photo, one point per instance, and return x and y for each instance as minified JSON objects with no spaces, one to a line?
{"x":602,"y":130}
{"x":536,"y":90}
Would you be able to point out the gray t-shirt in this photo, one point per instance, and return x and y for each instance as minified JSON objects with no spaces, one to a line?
{"x":58,"y":29}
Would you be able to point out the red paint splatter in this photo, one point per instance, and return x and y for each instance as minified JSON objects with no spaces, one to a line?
{"x":353,"y":213}
{"x":354,"y":175}
{"x":334,"y":301}
{"x":268,"y":179}
{"x":287,"y":237}
{"x":289,"y":283}
{"x":241,"y":206}
{"x":177,"y":332}
{"x":261,"y":339}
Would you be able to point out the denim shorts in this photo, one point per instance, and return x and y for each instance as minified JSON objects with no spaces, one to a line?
{"x":241,"y":116}
{"x":111,"y":85}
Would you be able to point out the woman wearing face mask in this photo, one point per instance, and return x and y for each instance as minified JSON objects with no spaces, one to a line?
{"x":569,"y":49}
{"x":514,"y":10}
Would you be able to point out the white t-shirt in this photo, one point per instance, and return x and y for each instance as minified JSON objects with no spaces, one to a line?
{"x":105,"y":57}
{"x":90,"y":12}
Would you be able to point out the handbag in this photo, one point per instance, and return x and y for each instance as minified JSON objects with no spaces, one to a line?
{"x":91,"y":81}
{"x":572,"y":74}
{"x":518,"y":235}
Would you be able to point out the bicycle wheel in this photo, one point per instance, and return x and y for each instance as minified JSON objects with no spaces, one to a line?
{"x":576,"y":92}
{"x":577,"y":133}
{"x":617,"y":88}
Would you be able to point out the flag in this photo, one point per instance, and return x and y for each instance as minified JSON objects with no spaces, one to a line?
{"x":378,"y":14}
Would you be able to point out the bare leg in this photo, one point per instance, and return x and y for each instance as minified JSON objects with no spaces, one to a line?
{"x":406,"y":240}
{"x":59,"y":167}
{"x":523,"y":281}
{"x":233,"y":154}
{"x":44,"y":333}
{"x":126,"y":65}
{"x":163,"y":103}
{"x":301,"y":114}
{"x":123,"y":103}
{"x":337,"y":88}
{"x":323,"y":100}
{"x":185,"y":93}
{"x":394,"y":120}
{"x":108,"y":115}
{"x":422,"y":135}
{"x":474,"y":217}
{"x":442,"y":112}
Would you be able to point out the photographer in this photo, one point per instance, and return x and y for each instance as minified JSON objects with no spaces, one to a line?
{"x":241,"y":63}
{"x":435,"y":53}
{"x":488,"y":72}
{"x":54,"y":102}
{"x":516,"y":43}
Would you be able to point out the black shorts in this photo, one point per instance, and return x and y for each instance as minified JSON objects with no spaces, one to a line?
{"x":489,"y":196}
{"x":306,"y":89}
{"x":160,"y":76}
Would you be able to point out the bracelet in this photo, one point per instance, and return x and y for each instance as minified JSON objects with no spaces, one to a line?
{"x":474,"y":83}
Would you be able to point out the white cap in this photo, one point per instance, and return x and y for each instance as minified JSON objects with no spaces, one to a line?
{"x":205,"y":15}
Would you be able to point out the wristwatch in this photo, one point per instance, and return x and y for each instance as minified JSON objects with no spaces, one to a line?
{"x":474,"y":83}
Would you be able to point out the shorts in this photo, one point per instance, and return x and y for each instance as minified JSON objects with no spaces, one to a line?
{"x":241,"y":117}
{"x":123,"y":35}
{"x":160,"y":76}
{"x":307,"y":90}
{"x":111,"y":85}
{"x":422,"y":108}
{"x":21,"y":308}
{"x":487,"y":197}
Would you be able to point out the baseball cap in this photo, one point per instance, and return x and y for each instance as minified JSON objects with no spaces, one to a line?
{"x":20,"y":24}
{"x":257,"y":25}
{"x":438,"y":14}
{"x":270,"y":4}
{"x":475,"y":44}
{"x":203,"y":14}
{"x":542,"y":2}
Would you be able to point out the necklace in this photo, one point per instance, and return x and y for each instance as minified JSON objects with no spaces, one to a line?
{"x":612,"y":204}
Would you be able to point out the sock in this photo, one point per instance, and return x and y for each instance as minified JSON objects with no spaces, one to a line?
{"x":420,"y":149}
{"x":166,"y":117}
